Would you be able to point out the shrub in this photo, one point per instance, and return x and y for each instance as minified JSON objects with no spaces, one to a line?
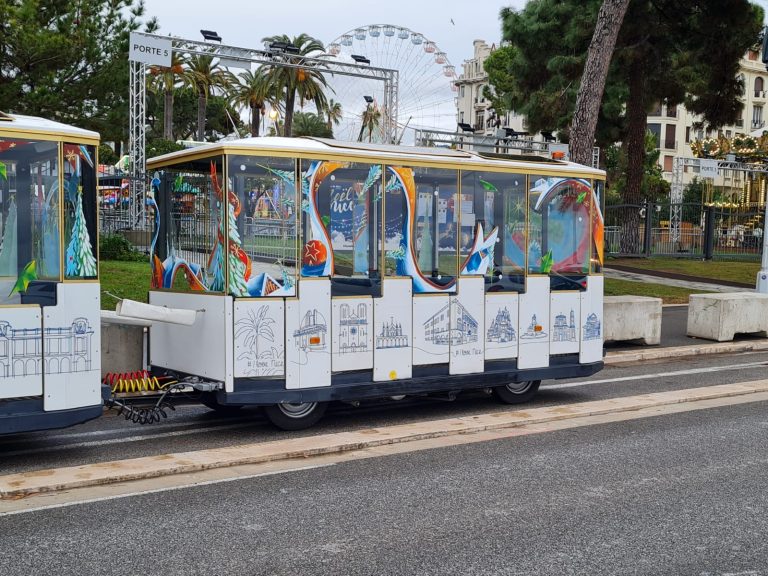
{"x":117,"y":247}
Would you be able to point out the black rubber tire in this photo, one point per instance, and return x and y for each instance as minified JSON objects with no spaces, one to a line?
{"x":208,"y":399}
{"x":295,"y":416}
{"x":515,"y":393}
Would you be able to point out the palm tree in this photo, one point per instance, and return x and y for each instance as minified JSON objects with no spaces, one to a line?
{"x":371,"y":121}
{"x":306,"y":83}
{"x":205,"y":76}
{"x":165,"y":80}
{"x":311,"y":124}
{"x":333,"y":113}
{"x":254,"y":90}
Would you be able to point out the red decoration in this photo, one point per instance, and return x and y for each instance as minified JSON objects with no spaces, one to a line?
{"x":314,"y":253}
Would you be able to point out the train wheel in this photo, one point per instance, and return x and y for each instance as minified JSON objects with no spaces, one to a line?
{"x":208,"y":399}
{"x":517,"y":392}
{"x":295,"y":416}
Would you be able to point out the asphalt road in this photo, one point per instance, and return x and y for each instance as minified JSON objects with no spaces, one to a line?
{"x":193,"y":427}
{"x":684,"y":494}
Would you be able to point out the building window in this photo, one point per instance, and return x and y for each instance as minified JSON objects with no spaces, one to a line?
{"x":461,"y":91}
{"x":687,"y":134}
{"x":656,"y":111}
{"x":479,"y":122}
{"x":758,"y":87}
{"x":752,"y":54}
{"x":757,"y":117}
{"x":668,"y":163}
{"x":461,"y":116}
{"x":672,"y":111}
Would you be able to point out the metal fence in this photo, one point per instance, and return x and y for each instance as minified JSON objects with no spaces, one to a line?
{"x":707,"y":232}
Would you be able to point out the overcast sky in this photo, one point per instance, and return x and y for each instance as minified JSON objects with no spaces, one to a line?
{"x":244,"y":23}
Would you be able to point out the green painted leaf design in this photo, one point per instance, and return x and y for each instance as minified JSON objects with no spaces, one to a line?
{"x":3,"y":171}
{"x":580,"y":198}
{"x":488,"y":186}
{"x":546,"y":262}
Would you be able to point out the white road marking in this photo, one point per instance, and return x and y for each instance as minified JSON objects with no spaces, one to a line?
{"x":160,"y":490}
{"x":657,"y":375}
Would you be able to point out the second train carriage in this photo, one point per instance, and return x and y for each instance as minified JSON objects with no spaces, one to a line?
{"x":323,"y":270}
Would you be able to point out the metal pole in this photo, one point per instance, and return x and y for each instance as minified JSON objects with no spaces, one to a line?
{"x":762,"y":276}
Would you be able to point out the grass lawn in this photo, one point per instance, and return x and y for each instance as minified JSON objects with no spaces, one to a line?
{"x":123,"y":279}
{"x":131,"y":280}
{"x":668,"y":294}
{"x":735,"y":271}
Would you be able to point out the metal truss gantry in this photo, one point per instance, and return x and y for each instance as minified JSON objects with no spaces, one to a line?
{"x":232,"y":56}
{"x":676,"y":188}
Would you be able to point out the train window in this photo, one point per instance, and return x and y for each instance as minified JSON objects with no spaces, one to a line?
{"x":494,"y":203}
{"x":263,"y":197}
{"x":598,"y":231}
{"x":80,"y":211}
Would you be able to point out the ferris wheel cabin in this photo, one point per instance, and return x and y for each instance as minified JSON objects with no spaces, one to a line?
{"x":50,"y":360}
{"x":321,"y":270}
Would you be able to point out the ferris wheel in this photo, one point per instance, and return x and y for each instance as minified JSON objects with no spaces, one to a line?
{"x":425,"y":89}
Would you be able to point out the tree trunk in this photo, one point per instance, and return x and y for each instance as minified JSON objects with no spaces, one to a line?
{"x":290,"y":100}
{"x":168,"y":116}
{"x":201,"y":117}
{"x":255,"y":117}
{"x":637,"y":119}
{"x":590,"y":96}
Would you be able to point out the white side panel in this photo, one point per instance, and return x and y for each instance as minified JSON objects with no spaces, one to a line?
{"x":393,"y":334}
{"x":21,"y":358}
{"x":431,"y":329}
{"x":468,"y":326}
{"x":72,"y":347}
{"x":533,"y":324}
{"x":564,"y":323}
{"x":352,"y":334}
{"x":308,"y":336}
{"x":259,"y":338}
{"x":203,"y":349}
{"x":592,"y":321}
{"x":501,"y":325}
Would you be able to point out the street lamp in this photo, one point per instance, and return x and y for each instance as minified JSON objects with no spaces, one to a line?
{"x":273,"y":114}
{"x":210,"y":35}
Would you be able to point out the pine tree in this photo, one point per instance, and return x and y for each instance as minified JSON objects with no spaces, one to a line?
{"x":80,"y":260}
{"x":237,"y":284}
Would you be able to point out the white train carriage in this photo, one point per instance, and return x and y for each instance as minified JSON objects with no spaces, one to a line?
{"x":50,"y":360}
{"x":323,"y":270}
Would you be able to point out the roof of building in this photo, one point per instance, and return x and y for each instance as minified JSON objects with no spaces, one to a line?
{"x":36,"y":125}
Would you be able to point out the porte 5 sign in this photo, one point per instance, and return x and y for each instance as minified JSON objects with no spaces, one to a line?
{"x":150,"y":49}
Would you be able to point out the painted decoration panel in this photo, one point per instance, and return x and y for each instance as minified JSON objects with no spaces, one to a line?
{"x":393,"y":333}
{"x":203,"y":349}
{"x":533,"y":324}
{"x":564,"y":323}
{"x":259,"y":339}
{"x":501,"y":325}
{"x":352,"y":334}
{"x":72,"y":349}
{"x":591,"y":329}
{"x":21,"y":359}
{"x":431,"y":329}
{"x":468,"y":327}
{"x":307,"y":336}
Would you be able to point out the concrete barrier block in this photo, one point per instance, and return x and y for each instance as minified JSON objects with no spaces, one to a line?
{"x":632,"y":318}
{"x":721,"y":316}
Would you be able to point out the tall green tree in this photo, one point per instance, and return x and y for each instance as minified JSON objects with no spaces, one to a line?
{"x":166,"y":80}
{"x":68,"y":61}
{"x":310,"y":124}
{"x":253,"y":90}
{"x":333,"y":113}
{"x":306,"y":82}
{"x":206,"y":76}
{"x":664,"y":52}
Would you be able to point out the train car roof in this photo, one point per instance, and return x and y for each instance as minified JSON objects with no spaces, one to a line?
{"x":16,"y":124}
{"x":405,"y":154}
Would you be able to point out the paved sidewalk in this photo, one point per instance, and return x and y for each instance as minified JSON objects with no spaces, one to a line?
{"x":653,"y":279}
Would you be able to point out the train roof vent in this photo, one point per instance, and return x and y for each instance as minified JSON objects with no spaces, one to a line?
{"x":519,"y":157}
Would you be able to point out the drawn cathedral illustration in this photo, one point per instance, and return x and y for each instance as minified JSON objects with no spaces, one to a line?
{"x":562,"y":330}
{"x":391,"y":335}
{"x":311,"y":332}
{"x":444,"y":328}
{"x":501,"y":329}
{"x":66,"y":349}
{"x":353,"y":328}
{"x":592,"y":327}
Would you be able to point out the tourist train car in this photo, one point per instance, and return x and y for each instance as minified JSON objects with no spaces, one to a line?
{"x":50,"y":360}
{"x":321,"y":270}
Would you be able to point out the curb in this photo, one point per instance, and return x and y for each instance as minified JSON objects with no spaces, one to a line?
{"x":613,"y":358}
{"x":15,"y":486}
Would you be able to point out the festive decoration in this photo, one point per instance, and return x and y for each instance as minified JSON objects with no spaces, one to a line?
{"x":28,"y":274}
{"x":8,"y":251}
{"x":314,"y":256}
{"x":744,"y":147}
{"x":80,"y":260}
{"x":3,"y":171}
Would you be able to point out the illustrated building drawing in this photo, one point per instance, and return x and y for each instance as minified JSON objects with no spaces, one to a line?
{"x":501,"y":329}
{"x":66,"y":349}
{"x":443,"y":328}
{"x":391,"y":335}
{"x":353,"y":328}
{"x":534,"y":330}
{"x":592,"y":327}
{"x":562,"y":330}
{"x":312,"y":331}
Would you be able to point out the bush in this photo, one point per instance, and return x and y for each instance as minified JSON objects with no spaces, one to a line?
{"x":117,"y":247}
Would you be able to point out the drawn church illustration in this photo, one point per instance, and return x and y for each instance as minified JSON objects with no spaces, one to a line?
{"x":501,"y":329}
{"x":353,"y":328}
{"x":562,"y":330}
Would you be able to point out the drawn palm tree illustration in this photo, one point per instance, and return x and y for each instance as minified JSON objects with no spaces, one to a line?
{"x":255,"y":326}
